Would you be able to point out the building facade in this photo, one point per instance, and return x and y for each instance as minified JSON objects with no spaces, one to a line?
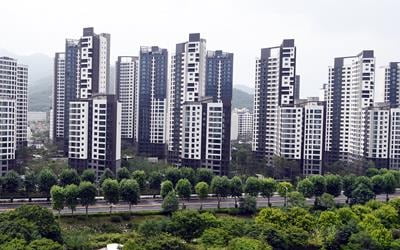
{"x":200,"y":96}
{"x":127,"y":68}
{"x":91,"y":117}
{"x":392,"y":84}
{"x":13,"y":115}
{"x":242,"y":124}
{"x":58,"y":107}
{"x":152,"y":102}
{"x":274,"y":88}
{"x":350,"y":89}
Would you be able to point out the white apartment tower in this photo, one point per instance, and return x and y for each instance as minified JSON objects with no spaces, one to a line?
{"x":127,"y":68}
{"x":350,"y":89}
{"x":58,"y":107}
{"x":274,"y":88}
{"x":85,"y":117}
{"x":200,"y":96}
{"x":13,"y":107}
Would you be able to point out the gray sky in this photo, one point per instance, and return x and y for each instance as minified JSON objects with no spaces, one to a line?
{"x":323,"y":29}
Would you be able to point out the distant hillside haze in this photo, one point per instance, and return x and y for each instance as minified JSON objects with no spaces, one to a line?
{"x":242,"y":99}
{"x":246,"y":88}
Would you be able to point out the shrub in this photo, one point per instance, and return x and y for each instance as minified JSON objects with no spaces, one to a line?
{"x":116,"y":219}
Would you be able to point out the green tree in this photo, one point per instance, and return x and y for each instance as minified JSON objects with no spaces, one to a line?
{"x":123,"y":173}
{"x":89,"y":175}
{"x":245,"y":243}
{"x":202,"y":190}
{"x":326,"y":201}
{"x":173,"y":174}
{"x":44,"y":244}
{"x":221,"y":187}
{"x":87,"y":194}
{"x":215,"y":237}
{"x":46,"y":180}
{"x":306,"y":187}
{"x":319,"y":184}
{"x":184,"y":190}
{"x":389,"y":184}
{"x":333,"y":185}
{"x":348,"y":185}
{"x":166,"y":188}
{"x":11,"y":183}
{"x":57,"y":198}
{"x":69,"y":176}
{"x":140,"y":177}
{"x":377,"y":184}
{"x":284,"y":188}
{"x":107,"y":174}
{"x":71,"y":197}
{"x":267,"y":188}
{"x":363,"y":180}
{"x":252,"y":186}
{"x":296,"y":199}
{"x":30,"y":184}
{"x":248,"y":205}
{"x":110,"y":190}
{"x":188,"y":173}
{"x":155,"y":179}
{"x":170,"y":203}
{"x":130,"y":192}
{"x":372,"y":172}
{"x":361,"y":194}
{"x":204,"y":174}
{"x":236,"y":188}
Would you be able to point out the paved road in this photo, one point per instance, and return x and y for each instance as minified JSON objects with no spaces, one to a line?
{"x":150,"y":204}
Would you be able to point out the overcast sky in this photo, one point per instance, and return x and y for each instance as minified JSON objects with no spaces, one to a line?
{"x":322,"y":29}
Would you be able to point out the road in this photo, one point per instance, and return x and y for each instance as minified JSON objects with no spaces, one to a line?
{"x":150,"y":204}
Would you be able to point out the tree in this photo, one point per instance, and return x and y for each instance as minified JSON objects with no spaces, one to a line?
{"x":204,"y":174}
{"x":377,"y":184}
{"x":173,"y":174}
{"x":214,"y":237}
{"x":306,"y":187}
{"x":184,"y":190}
{"x":248,"y":205}
{"x":221,"y":187}
{"x":11,"y":183}
{"x":130,"y":192}
{"x":372,"y":172}
{"x":69,"y":176}
{"x":123,"y":173}
{"x":110,"y":190}
{"x":268,"y":188}
{"x":188,"y":173}
{"x":89,"y":175}
{"x":236,"y":188}
{"x":107,"y":174}
{"x":170,"y":203}
{"x":44,"y":244}
{"x":319,"y":184}
{"x":140,"y":177}
{"x":284,"y":188}
{"x":166,"y":188}
{"x":71,"y":196}
{"x":296,"y":199}
{"x":389,"y":184}
{"x":361,"y":194}
{"x":348,"y":186}
{"x":57,"y":198}
{"x":252,"y":186}
{"x":202,"y":189}
{"x":46,"y":180}
{"x":326,"y":201}
{"x":87,"y":194}
{"x":333,"y":185}
{"x":30,"y":185}
{"x":155,"y":179}
{"x":363,"y":180}
{"x":245,"y":243}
